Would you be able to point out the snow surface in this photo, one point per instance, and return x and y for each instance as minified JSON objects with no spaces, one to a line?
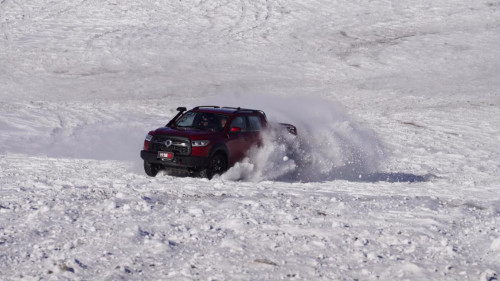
{"x":399,"y":102}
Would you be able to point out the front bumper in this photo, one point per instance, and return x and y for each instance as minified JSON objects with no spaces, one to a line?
{"x":188,"y":162}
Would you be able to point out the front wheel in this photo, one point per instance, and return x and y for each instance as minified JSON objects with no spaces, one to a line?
{"x":150,"y":169}
{"x":217,"y":165}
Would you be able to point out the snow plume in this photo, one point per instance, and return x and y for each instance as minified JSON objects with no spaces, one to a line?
{"x":268,"y":162}
{"x":329,"y":145}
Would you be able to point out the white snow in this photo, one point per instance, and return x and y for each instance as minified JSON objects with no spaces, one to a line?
{"x":400,"y":102}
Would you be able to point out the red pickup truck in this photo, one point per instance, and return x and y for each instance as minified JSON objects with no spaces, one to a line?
{"x":205,"y":140}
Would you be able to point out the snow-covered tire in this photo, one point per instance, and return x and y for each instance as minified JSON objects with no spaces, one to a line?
{"x":216,"y":166}
{"x":150,"y":169}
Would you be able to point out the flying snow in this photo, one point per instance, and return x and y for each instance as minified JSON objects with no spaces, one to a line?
{"x":329,"y":145}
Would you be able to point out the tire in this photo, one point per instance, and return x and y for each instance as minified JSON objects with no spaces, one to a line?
{"x":216,"y":166}
{"x":150,"y":169}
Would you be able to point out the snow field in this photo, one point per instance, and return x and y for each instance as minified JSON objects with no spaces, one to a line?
{"x":409,"y":88}
{"x":102,"y":227}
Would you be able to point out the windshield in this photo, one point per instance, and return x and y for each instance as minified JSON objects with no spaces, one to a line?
{"x":202,"y":121}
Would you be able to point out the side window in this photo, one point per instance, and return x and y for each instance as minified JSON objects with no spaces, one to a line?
{"x":255,"y":124}
{"x":239,"y":122}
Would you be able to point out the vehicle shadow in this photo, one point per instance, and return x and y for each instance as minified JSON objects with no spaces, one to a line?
{"x":339,"y":175}
{"x":373,"y":177}
{"x":395,"y":177}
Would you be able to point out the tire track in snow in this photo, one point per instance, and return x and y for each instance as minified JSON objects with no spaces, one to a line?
{"x":258,"y":19}
{"x":252,"y":16}
{"x":65,"y":10}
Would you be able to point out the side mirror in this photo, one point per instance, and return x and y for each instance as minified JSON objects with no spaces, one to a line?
{"x":235,"y":129}
{"x":181,"y":109}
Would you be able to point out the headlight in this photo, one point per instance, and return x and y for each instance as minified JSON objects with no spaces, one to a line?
{"x":149,"y":137}
{"x":200,"y":142}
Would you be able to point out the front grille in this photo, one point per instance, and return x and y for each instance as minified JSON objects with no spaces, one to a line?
{"x":179,"y":146}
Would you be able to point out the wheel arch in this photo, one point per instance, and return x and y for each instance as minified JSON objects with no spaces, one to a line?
{"x":220,"y":148}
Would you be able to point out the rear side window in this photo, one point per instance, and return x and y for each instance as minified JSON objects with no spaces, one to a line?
{"x":239,"y":122}
{"x":255,"y":124}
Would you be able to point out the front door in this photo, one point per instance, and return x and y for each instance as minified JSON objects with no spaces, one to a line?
{"x":239,"y":140}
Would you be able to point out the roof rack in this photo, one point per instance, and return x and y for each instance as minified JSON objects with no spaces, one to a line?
{"x":242,"y":109}
{"x":234,"y":108}
{"x":247,"y":109}
{"x":211,"y":106}
{"x":229,"y":107}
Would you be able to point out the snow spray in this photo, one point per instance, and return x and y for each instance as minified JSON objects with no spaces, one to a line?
{"x":329,"y":144}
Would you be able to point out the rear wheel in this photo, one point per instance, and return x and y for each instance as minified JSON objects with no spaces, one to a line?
{"x":151,"y":169}
{"x":217,"y":165}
